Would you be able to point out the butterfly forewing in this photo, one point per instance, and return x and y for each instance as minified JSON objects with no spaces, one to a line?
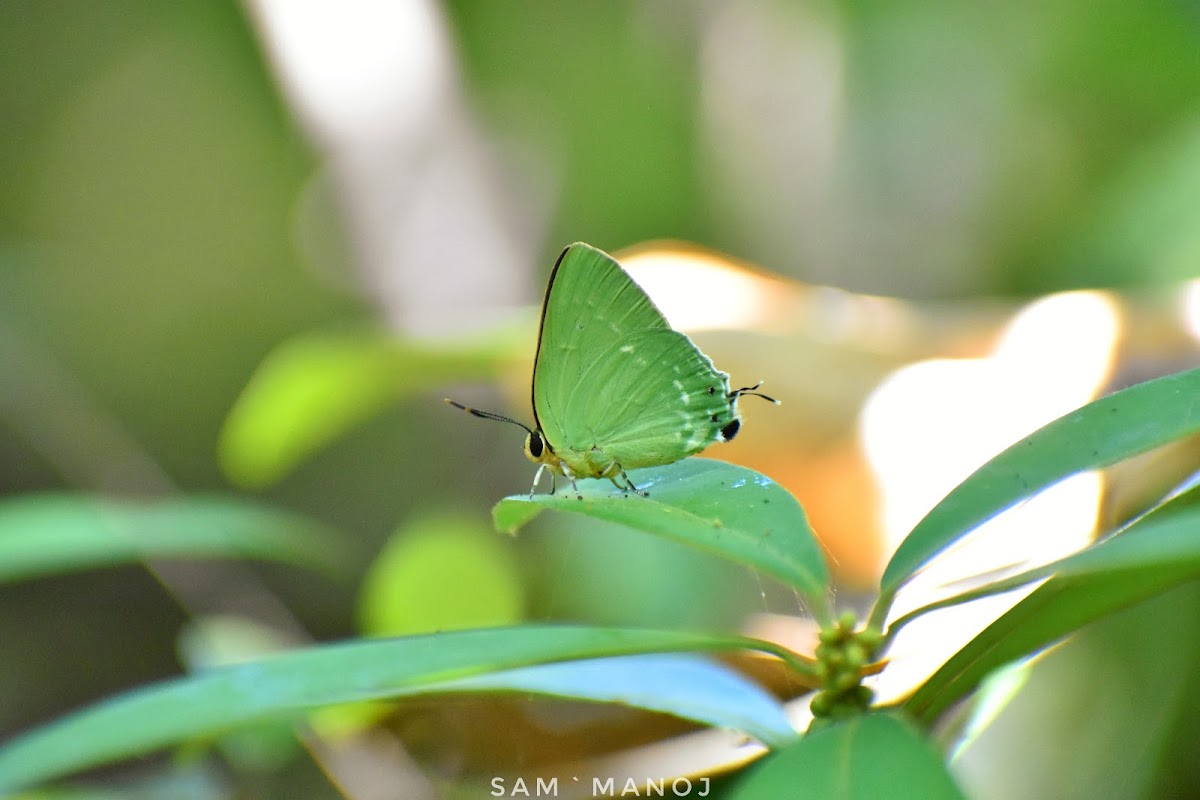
{"x":590,"y":303}
{"x":651,"y":398}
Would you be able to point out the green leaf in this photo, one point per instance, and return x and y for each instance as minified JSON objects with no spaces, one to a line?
{"x":56,"y":533}
{"x":288,"y":685}
{"x":316,"y":387}
{"x":683,"y":685}
{"x":1144,"y":561}
{"x":722,"y":508}
{"x":867,"y":757}
{"x":1099,"y":434}
{"x":1168,"y":543}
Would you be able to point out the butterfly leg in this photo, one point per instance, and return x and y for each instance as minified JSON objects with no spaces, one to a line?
{"x":537,"y":478}
{"x":571,"y":477}
{"x":629,"y":485}
{"x":615,"y":471}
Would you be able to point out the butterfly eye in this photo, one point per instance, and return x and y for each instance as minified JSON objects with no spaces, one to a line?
{"x":731,"y":430}
{"x":534,"y":446}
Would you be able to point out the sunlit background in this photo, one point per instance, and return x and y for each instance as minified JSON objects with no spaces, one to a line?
{"x":247,"y":249}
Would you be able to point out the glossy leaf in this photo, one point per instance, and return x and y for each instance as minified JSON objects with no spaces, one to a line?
{"x":1099,"y":434}
{"x":56,"y":533}
{"x":722,"y":508}
{"x":284,"y":686}
{"x":864,"y":758}
{"x":686,"y":686}
{"x":1164,"y":543}
{"x":1140,"y":563}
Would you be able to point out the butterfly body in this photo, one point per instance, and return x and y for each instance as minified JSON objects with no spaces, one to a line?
{"x":614,"y":386}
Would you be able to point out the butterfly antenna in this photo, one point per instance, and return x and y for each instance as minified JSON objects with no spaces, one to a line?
{"x":487,"y":414}
{"x":751,"y":390}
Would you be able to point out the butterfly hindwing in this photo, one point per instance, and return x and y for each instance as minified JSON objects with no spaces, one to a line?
{"x":651,"y":398}
{"x":590,"y":303}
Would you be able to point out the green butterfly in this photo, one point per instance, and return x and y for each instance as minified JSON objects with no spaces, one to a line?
{"x":614,"y":387}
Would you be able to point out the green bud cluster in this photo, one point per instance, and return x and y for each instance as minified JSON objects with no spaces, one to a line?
{"x":842,"y":654}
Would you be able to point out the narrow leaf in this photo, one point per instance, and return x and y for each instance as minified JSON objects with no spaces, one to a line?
{"x":1140,"y":563}
{"x":1097,"y":435}
{"x":686,"y":686}
{"x":56,"y":533}
{"x":1168,"y":543}
{"x":287,"y":685}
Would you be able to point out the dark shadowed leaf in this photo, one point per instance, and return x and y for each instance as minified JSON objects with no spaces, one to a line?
{"x":864,"y":758}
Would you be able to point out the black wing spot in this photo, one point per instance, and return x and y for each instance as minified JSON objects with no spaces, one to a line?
{"x":712,"y":390}
{"x":714,"y":418}
{"x":731,"y":430}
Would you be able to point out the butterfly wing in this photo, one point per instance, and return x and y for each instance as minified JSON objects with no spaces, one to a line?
{"x":651,"y":398}
{"x":590,"y":303}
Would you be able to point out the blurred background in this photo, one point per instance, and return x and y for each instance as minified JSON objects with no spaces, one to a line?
{"x":246,"y":249}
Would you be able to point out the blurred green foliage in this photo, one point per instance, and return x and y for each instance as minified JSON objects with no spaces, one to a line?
{"x":155,"y":248}
{"x":441,"y":574}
